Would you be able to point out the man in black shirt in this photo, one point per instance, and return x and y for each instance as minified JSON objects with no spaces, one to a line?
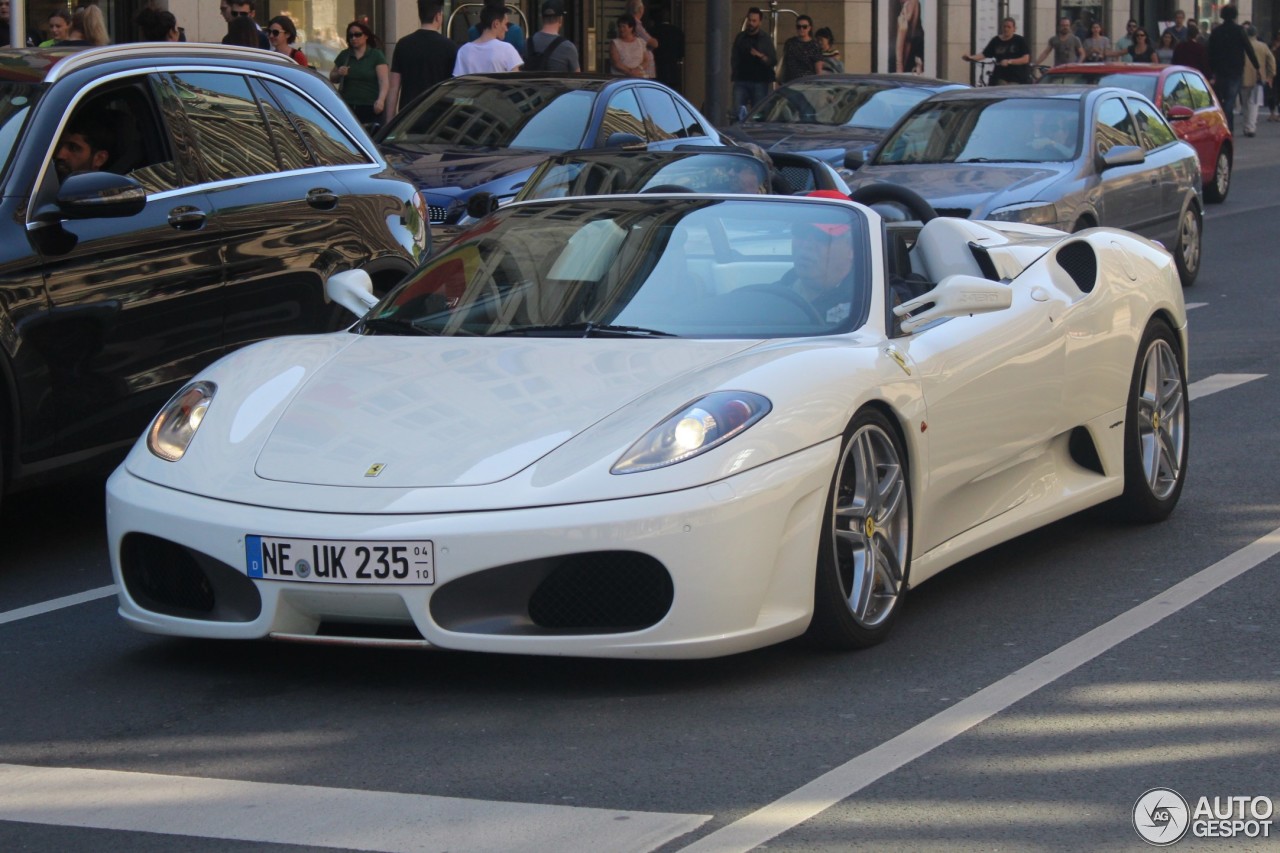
{"x":751,"y":61}
{"x":421,"y":59}
{"x":1228,"y":47}
{"x":1011,"y":53}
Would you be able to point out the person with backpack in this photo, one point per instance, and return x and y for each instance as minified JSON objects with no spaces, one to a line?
{"x":548,"y":49}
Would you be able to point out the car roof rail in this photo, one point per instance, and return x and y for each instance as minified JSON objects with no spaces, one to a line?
{"x":160,"y":51}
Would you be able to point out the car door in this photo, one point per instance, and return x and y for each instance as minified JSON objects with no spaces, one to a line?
{"x":1167,"y":161}
{"x":622,"y":114}
{"x":135,"y":301}
{"x":283,"y":217}
{"x":1128,"y":196}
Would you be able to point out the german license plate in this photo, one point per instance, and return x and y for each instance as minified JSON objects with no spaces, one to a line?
{"x":340,"y":561}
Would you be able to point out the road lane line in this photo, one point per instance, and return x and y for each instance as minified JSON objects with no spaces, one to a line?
{"x":380,"y":821}
{"x":846,"y":780}
{"x":1220,"y":382}
{"x":57,"y":604}
{"x":1191,"y":305}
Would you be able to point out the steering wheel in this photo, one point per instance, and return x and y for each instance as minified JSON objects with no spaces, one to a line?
{"x":915,"y":203}
{"x":787,"y":295}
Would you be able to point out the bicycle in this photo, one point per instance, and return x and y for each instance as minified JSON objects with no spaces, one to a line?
{"x":982,"y":71}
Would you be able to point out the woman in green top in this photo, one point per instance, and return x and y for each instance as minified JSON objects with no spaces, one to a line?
{"x":59,"y":23}
{"x":361,"y":74}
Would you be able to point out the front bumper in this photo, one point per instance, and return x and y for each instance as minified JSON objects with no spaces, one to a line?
{"x":737,"y":558}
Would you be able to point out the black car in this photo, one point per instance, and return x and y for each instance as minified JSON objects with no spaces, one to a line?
{"x":487,"y":132}
{"x":231,"y":183}
{"x":829,"y":116}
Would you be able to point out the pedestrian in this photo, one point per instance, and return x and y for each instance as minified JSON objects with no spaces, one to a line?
{"x":635,"y":8}
{"x":360,"y":72}
{"x":801,"y":55}
{"x":5,"y":33}
{"x":422,"y":59}
{"x":282,"y":32}
{"x":628,"y":56}
{"x":242,"y":32}
{"x":59,"y":23}
{"x":1273,"y":102}
{"x":1254,"y":81}
{"x":1179,"y":27}
{"x":156,"y":24}
{"x":907,"y":31}
{"x":1122,"y":44}
{"x":88,"y":27}
{"x":1192,"y":53}
{"x":245,"y":9}
{"x":752,"y":61}
{"x":549,"y":49}
{"x":514,"y":35}
{"x":1096,"y":46}
{"x":1011,"y":53}
{"x":1141,"y":49}
{"x":1064,"y":45}
{"x":1228,"y":48}
{"x":489,"y":53}
{"x":669,"y":54}
{"x":1164,"y":50}
{"x":830,"y":56}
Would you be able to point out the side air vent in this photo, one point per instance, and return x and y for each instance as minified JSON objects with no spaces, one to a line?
{"x":1079,"y":261}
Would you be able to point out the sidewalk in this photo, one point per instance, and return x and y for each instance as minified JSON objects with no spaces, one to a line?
{"x":1260,"y":150}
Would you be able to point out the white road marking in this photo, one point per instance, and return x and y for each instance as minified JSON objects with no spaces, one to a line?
{"x":846,"y":780}
{"x":1191,"y":305}
{"x":57,"y":604}
{"x":322,"y":817}
{"x":1220,"y":382}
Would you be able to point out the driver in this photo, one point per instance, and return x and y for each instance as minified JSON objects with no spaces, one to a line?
{"x":86,"y":146}
{"x":1051,"y":135}
{"x":822,"y":268}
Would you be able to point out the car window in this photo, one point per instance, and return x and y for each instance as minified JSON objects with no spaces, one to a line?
{"x":981,"y":130}
{"x":1177,"y":93}
{"x":230,"y":132}
{"x":1200,"y":97}
{"x":692,"y":127}
{"x":16,"y":101}
{"x":289,"y":145}
{"x":1114,"y":126}
{"x":1152,"y":128}
{"x":661,"y":119}
{"x":328,"y":143}
{"x":479,"y":114}
{"x":622,"y":115}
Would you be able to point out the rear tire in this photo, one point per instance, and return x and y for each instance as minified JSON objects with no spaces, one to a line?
{"x":1157,"y":428}
{"x":1215,"y":192}
{"x":1187,"y":252}
{"x":864,"y":554}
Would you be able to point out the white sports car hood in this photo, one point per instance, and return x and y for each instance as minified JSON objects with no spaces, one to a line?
{"x":459,"y":412}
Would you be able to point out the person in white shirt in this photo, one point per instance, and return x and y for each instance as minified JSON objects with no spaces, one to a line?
{"x":489,"y":53}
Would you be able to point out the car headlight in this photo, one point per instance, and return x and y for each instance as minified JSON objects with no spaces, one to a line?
{"x":172,"y":430}
{"x":694,"y":429}
{"x":1031,"y":213}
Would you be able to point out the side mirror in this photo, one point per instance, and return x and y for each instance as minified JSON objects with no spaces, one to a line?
{"x":955,"y":296}
{"x":853,"y":160}
{"x":95,"y":195}
{"x":352,"y":290}
{"x":1177,"y":112}
{"x":623,"y":140}
{"x":481,"y":204}
{"x":1123,"y":155}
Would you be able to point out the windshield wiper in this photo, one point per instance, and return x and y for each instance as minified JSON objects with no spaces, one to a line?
{"x":394,"y":326}
{"x":588,"y":330}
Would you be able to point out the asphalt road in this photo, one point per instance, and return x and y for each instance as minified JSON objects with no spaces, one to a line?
{"x":1026,"y":700}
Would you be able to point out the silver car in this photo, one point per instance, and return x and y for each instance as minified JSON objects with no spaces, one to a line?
{"x":1067,"y":157}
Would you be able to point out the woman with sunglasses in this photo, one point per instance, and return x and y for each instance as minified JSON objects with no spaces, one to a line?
{"x":282,"y":33}
{"x":1141,"y":49}
{"x":361,"y":73}
{"x":801,"y":54}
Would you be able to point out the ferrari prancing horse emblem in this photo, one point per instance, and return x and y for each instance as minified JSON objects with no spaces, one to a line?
{"x":375,"y":469}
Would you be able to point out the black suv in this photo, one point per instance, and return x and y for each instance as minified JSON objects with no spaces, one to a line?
{"x":235,"y":183}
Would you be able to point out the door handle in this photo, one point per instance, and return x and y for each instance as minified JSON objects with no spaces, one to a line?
{"x":187,"y":218}
{"x":322,"y":198}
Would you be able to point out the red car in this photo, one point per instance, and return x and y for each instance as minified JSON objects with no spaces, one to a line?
{"x":1186,"y":99}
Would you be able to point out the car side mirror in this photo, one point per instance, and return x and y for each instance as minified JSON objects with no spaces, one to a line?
{"x":481,"y":204}
{"x":853,"y":160}
{"x":1123,"y":155}
{"x":623,"y":140}
{"x":955,"y":296}
{"x":352,"y":290}
{"x":95,"y":195}
{"x":1177,"y":112}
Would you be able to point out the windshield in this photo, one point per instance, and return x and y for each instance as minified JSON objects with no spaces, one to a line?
{"x":642,"y":267}
{"x":640,"y":171}
{"x":1014,"y":130}
{"x":1143,"y":84}
{"x":482,"y":114}
{"x":851,"y":105}
{"x":16,"y":101}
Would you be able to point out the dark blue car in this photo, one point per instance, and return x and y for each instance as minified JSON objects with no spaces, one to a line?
{"x":487,"y":132}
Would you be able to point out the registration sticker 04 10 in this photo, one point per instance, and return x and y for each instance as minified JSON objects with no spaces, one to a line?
{"x":340,"y":561}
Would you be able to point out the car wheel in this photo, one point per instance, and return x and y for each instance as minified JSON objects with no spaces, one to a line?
{"x":865,"y":549}
{"x":1157,"y":428}
{"x":1216,"y":190}
{"x":1187,"y":253}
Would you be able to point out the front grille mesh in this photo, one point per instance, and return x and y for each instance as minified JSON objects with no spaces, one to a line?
{"x":164,"y":577}
{"x":607,"y":590}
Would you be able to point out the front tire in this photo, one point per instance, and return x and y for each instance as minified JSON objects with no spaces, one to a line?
{"x":1187,"y":253}
{"x":865,"y":551}
{"x":1157,"y":428}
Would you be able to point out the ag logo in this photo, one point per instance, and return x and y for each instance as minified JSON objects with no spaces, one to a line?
{"x":1161,"y":816}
